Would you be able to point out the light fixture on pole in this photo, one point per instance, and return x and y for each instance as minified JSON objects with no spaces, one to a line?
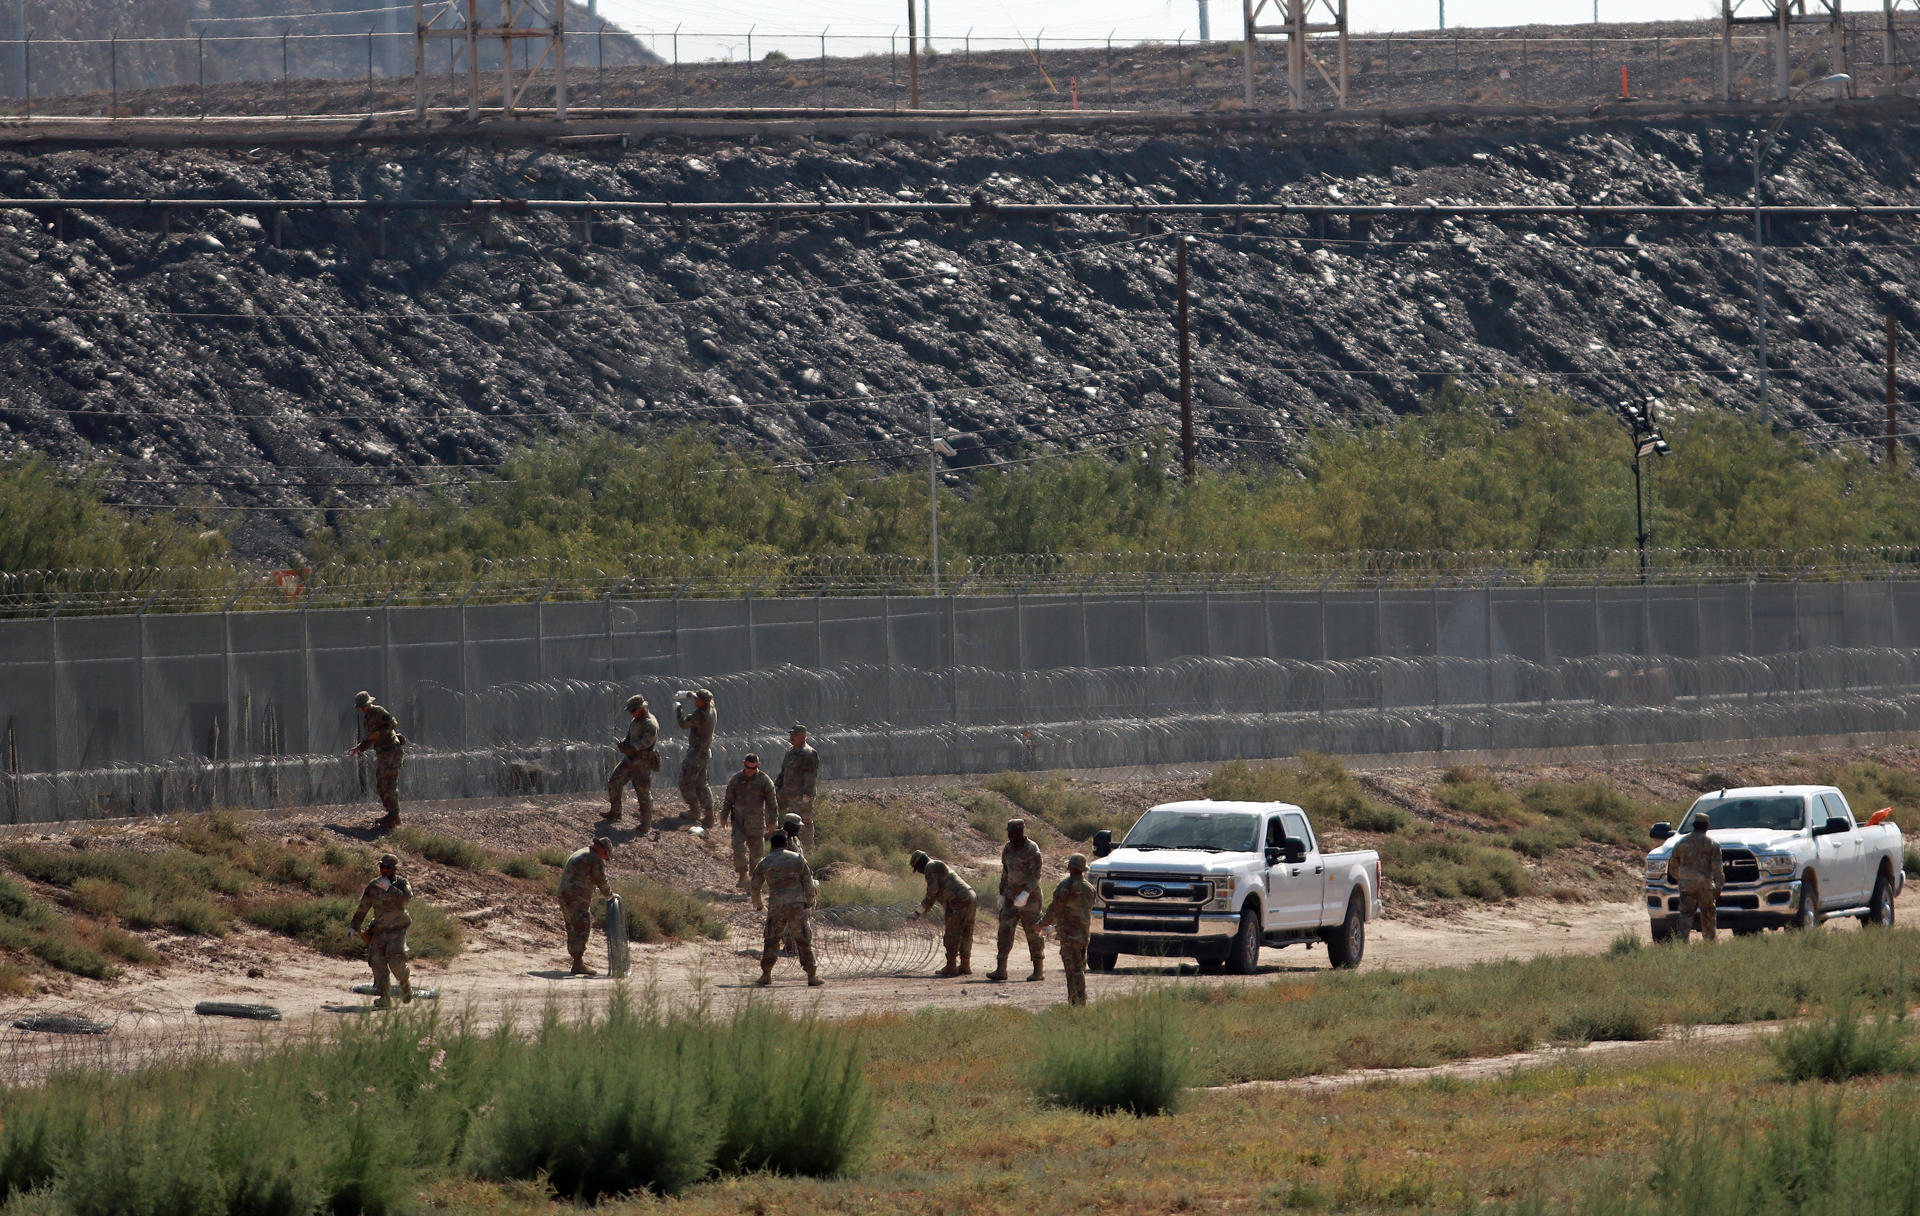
{"x":936,"y":448}
{"x":1647,"y":441}
{"x":1759,"y":230}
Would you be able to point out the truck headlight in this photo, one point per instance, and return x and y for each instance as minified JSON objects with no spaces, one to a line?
{"x":1657,"y":870}
{"x":1776,"y":864}
{"x":1223,"y":889}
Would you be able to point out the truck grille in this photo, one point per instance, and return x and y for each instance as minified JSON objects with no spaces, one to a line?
{"x":1134,"y":922}
{"x":1148,"y":893}
{"x":1740,"y":865}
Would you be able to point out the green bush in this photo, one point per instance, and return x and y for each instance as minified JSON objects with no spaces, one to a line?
{"x":1471,"y":792}
{"x":1137,"y":1067}
{"x":553,"y":856}
{"x":1611,"y":1019}
{"x":987,"y":813}
{"x":321,"y":923}
{"x":31,"y":927}
{"x":1840,"y":1047}
{"x":524,"y":867}
{"x":1910,"y":862}
{"x":1074,"y":813}
{"x":655,"y":911}
{"x":1450,"y":866}
{"x":805,"y":1108}
{"x":1869,"y":787}
{"x":867,"y":834}
{"x":443,"y":850}
{"x":1316,"y":783}
{"x":173,"y":889}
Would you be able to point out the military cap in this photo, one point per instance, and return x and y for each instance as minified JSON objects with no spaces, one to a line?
{"x":1016,"y":823}
{"x":797,"y":728}
{"x":636,"y":701}
{"x":777,"y":841}
{"x":388,"y":859}
{"x":703,"y":694}
{"x":603,"y":843}
{"x":752,"y":758}
{"x":1700,"y":820}
{"x":363,"y":698}
{"x":1077,"y":864}
{"x":919,"y":860}
{"x":791,"y":821}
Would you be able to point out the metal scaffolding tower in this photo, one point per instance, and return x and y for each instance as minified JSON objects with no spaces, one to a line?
{"x":1901,"y":14}
{"x":1781,"y":16}
{"x":1300,"y":19}
{"x":520,"y":23}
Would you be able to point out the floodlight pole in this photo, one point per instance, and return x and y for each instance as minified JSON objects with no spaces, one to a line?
{"x":933,"y":496}
{"x":1639,"y":511}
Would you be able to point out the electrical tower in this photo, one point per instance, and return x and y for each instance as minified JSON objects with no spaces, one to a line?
{"x":1299,"y":20}
{"x":525,"y":25}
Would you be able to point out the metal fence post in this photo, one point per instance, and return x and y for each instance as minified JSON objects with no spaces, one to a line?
{"x":676,"y":67}
{"x":369,"y":71}
{"x":1110,"y":71}
{"x":823,"y":68}
{"x":201,"y":42}
{"x":113,"y":74}
{"x":600,"y":64}
{"x":286,"y":72}
{"x":26,"y":70}
{"x":1179,"y":67}
{"x":893,"y":65}
{"x":751,"y":85}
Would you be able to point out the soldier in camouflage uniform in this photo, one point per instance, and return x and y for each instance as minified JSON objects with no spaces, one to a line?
{"x":750,"y":806}
{"x":382,"y":734}
{"x":799,"y":772}
{"x":584,"y":873}
{"x":790,"y":893}
{"x":791,"y":825}
{"x":957,"y":906}
{"x":640,"y":760}
{"x":1071,"y":915}
{"x":386,"y":897}
{"x":1020,"y":900}
{"x":1696,"y":866}
{"x":699,"y":726}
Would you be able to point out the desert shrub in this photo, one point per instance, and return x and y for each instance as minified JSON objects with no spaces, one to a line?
{"x":655,"y":911}
{"x":158,"y":889}
{"x":805,"y":1109}
{"x":1840,"y":1047}
{"x":867,"y":834}
{"x":1625,"y":942}
{"x":1471,"y":792}
{"x":987,"y":813}
{"x":1137,"y":1067}
{"x":321,"y":923}
{"x":443,"y":850}
{"x":1910,"y":862}
{"x":1869,"y":787}
{"x":1447,"y":865}
{"x":1607,"y":1020}
{"x":553,"y":856}
{"x":31,"y":927}
{"x":903,"y":889}
{"x":1316,"y":783}
{"x":1074,"y":813}
{"x":523,"y":867}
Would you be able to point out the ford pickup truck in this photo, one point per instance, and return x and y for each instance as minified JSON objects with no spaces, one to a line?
{"x":1215,"y":881}
{"x":1793,"y":855}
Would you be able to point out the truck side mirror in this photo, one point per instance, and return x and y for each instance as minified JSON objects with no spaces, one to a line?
{"x":1102,"y":843}
{"x":1661,"y":830}
{"x":1293,"y":850}
{"x":1835,"y":826}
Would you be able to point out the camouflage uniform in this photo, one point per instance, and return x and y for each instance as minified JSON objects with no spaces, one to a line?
{"x":1696,"y":866}
{"x":386,"y":898}
{"x":584,"y":873}
{"x":799,"y":773}
{"x":699,"y":726}
{"x":642,"y":760}
{"x":790,"y":892}
{"x":752,"y":807}
{"x":958,"y":908}
{"x":1020,"y":874}
{"x":384,"y":737}
{"x":1071,"y":912}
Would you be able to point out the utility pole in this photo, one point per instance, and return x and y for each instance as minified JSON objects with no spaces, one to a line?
{"x":926,"y":22}
{"x":913,"y":64}
{"x":1893,"y":444}
{"x":1205,"y":35}
{"x":1186,"y":364}
{"x":933,"y":489}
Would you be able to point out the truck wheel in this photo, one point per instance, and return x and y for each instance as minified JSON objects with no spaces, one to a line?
{"x":1880,"y":907}
{"x":1102,"y":960}
{"x":1807,"y":915}
{"x":1244,"y":956}
{"x":1347,"y":943}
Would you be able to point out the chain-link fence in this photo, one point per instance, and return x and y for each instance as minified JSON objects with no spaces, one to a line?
{"x":371,"y":70}
{"x":144,"y":713}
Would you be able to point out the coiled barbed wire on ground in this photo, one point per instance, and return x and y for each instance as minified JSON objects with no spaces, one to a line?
{"x":854,"y":941}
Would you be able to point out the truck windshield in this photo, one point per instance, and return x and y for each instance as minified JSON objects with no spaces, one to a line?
{"x":1228,"y":832}
{"x":1782,"y":813}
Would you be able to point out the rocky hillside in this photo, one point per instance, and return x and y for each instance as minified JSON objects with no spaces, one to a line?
{"x":202,"y":360}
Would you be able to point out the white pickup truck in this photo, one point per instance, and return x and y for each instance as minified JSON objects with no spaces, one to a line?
{"x":1215,"y":881}
{"x":1793,"y":856}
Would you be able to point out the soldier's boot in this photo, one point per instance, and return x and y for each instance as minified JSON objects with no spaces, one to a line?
{"x":814,"y":981}
{"x":406,"y":991}
{"x":966,"y":962}
{"x":381,"y":1002}
{"x":999,"y":973}
{"x":1039,"y":964}
{"x":613,"y":803}
{"x":1076,"y":988}
{"x":766,"y":977}
{"x":580,"y":966}
{"x":388,"y":821}
{"x":951,"y":969}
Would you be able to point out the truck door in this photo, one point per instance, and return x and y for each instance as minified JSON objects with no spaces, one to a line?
{"x":1293,"y":888}
{"x":1848,"y":850}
